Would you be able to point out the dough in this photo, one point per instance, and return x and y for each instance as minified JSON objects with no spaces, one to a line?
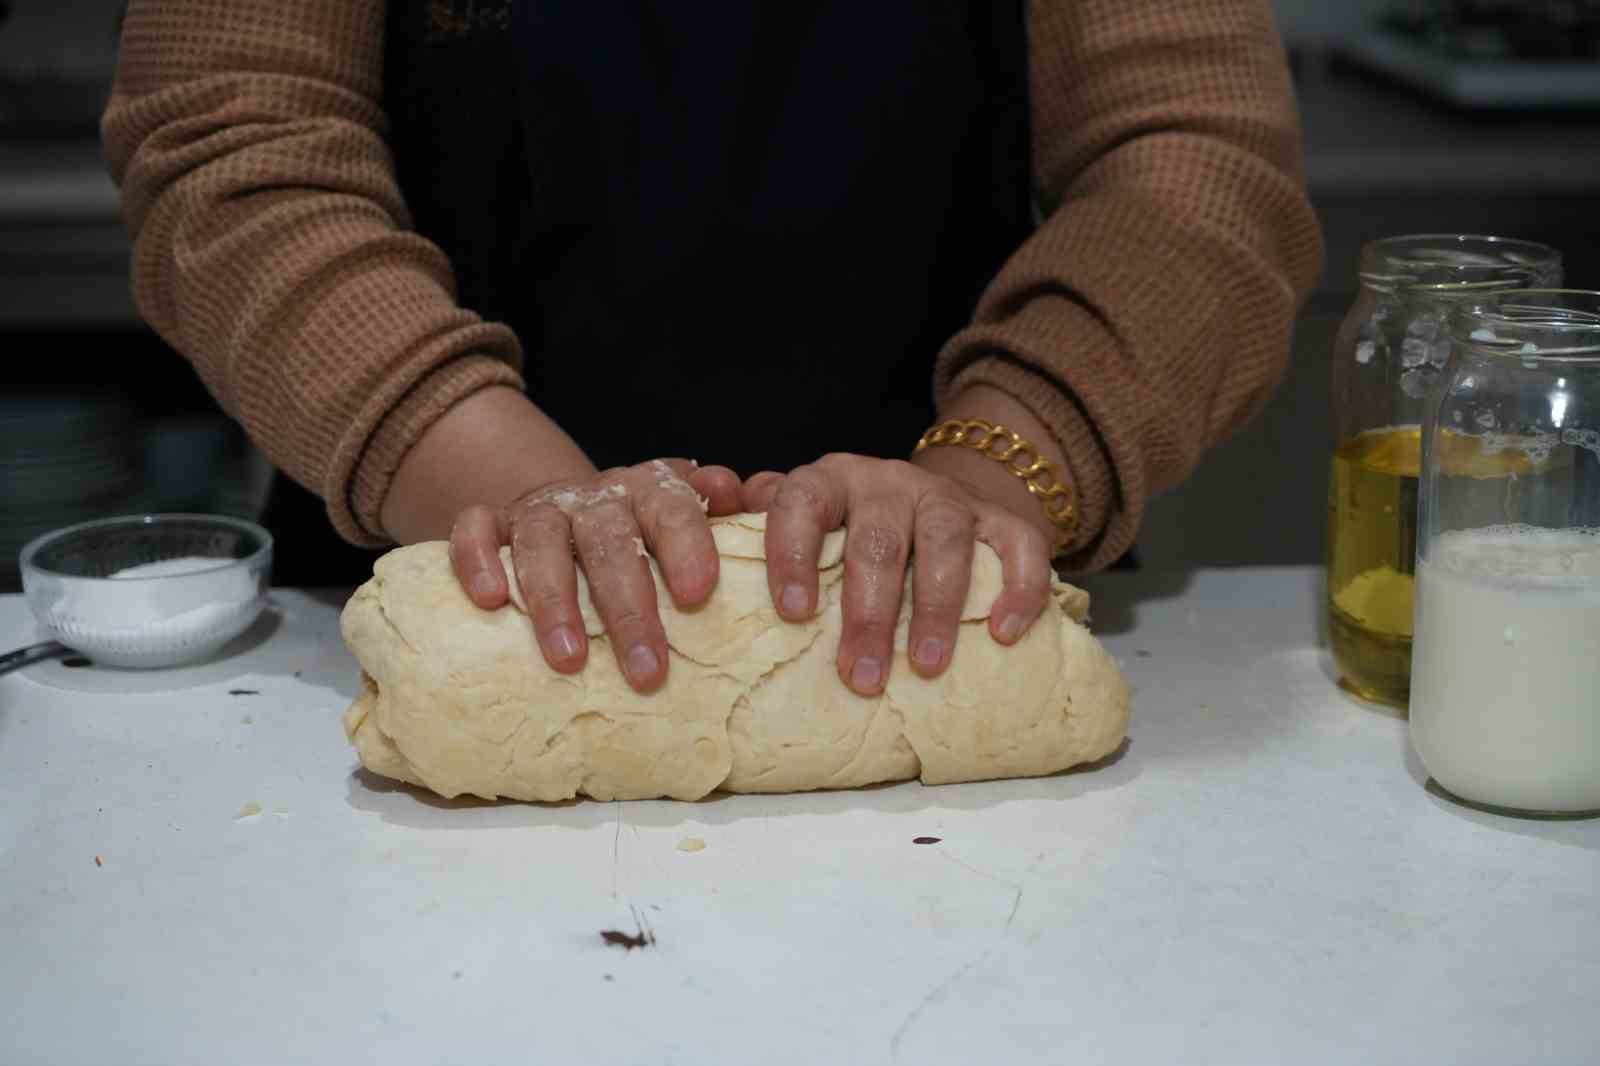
{"x":459,"y":700}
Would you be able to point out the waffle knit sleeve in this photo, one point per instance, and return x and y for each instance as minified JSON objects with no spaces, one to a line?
{"x":1150,"y":313}
{"x":271,"y":244}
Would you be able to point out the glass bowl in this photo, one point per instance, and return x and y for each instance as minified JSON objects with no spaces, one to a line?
{"x":148,"y":591}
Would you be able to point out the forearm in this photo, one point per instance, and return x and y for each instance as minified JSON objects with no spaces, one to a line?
{"x":490,"y":448}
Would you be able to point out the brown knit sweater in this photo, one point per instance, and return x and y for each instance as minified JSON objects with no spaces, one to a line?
{"x":1146,"y":318}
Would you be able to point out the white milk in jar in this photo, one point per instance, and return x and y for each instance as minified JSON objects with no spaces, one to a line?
{"x":1505,"y":681}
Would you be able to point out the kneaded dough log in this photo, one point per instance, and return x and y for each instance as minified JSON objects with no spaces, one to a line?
{"x":460,"y":700}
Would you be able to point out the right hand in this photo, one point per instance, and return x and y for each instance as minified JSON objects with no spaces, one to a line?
{"x":604,"y":523}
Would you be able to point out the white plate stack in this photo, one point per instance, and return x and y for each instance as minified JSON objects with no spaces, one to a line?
{"x":63,"y":459}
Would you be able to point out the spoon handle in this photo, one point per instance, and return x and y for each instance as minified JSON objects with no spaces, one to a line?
{"x":33,"y":653}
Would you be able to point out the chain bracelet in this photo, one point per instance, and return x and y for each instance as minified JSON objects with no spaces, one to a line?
{"x":1022,"y":459}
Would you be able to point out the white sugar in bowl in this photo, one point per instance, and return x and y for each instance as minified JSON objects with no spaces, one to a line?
{"x":148,"y":590}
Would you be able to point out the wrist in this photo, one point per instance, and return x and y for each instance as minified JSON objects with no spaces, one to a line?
{"x":988,"y":478}
{"x":490,"y":448}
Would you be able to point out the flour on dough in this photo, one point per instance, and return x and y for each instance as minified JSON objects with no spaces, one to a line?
{"x":460,"y":701}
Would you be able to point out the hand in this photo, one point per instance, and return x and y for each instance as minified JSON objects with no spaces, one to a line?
{"x":894,"y":511}
{"x":610,"y":519}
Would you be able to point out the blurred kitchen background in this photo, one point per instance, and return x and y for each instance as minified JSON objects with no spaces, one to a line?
{"x":1478,"y":116}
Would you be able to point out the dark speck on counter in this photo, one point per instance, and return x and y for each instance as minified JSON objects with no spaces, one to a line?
{"x":627,"y":941}
{"x":244,"y":692}
{"x":926,"y":840}
{"x":73,"y":662}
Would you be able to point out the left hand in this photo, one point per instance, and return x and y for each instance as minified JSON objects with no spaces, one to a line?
{"x":895,"y":511}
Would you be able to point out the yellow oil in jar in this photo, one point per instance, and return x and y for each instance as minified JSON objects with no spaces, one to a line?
{"x":1372,"y":547}
{"x":1372,"y":544}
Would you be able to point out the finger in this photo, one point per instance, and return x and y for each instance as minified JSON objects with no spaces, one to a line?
{"x":805,"y":506}
{"x":1025,"y":573}
{"x":719,"y":487}
{"x":875,"y":550}
{"x":547,"y":575}
{"x":475,"y":541}
{"x":676,"y":532}
{"x":758,"y":490}
{"x":941,"y":570}
{"x":607,"y":535}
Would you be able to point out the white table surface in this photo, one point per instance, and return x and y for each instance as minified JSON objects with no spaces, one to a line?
{"x":1261,"y":876}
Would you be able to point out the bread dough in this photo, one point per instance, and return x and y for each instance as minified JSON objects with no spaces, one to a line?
{"x":460,"y":700}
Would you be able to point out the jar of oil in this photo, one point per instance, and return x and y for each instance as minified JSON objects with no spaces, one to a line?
{"x":1372,"y":541}
{"x":1389,"y":352}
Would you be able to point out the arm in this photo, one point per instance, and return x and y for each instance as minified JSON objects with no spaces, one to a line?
{"x":1149,"y":316}
{"x":271,"y":248}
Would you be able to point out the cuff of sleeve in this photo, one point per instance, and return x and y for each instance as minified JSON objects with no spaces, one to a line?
{"x":355,"y":508}
{"x":1106,"y":529}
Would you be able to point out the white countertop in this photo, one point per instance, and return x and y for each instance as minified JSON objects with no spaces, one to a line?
{"x":1261,"y":876}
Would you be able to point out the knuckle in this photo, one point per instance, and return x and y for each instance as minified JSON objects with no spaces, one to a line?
{"x":870,"y":632}
{"x":541,"y":520}
{"x":802,"y":492}
{"x":939,"y":594}
{"x":900,"y":469}
{"x":625,"y":618}
{"x":477,"y":514}
{"x":938,"y":617}
{"x":548,"y":600}
{"x":1030,"y":541}
{"x":877,"y":546}
{"x":671,"y":515}
{"x":604,"y":523}
{"x":1033,"y":584}
{"x":944,"y":526}
{"x":872,"y":615}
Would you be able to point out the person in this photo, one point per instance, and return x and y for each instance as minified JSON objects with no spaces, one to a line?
{"x":498,"y":271}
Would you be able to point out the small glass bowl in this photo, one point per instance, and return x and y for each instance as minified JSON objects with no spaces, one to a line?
{"x":156,"y":620}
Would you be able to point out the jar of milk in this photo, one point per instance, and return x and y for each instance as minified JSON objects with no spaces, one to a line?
{"x":1505,"y":676}
{"x":1389,"y":352}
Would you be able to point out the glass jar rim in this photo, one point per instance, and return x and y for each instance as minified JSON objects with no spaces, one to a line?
{"x":1437,"y":264}
{"x":1518,"y":325}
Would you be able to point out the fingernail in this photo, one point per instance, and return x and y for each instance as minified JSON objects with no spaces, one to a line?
{"x":794,"y":599}
{"x":1011,"y":627}
{"x":484,"y":586}
{"x":564,"y":642}
{"x":929,"y":651}
{"x":866,"y":674}
{"x":642,"y":662}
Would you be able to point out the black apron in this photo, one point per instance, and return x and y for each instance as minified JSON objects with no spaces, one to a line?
{"x":737,"y":233}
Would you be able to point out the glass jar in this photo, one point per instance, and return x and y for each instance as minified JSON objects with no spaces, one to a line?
{"x":1505,"y":686}
{"x":1388,"y":352}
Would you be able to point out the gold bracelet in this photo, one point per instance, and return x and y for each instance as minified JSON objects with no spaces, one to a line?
{"x":1022,"y":459}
